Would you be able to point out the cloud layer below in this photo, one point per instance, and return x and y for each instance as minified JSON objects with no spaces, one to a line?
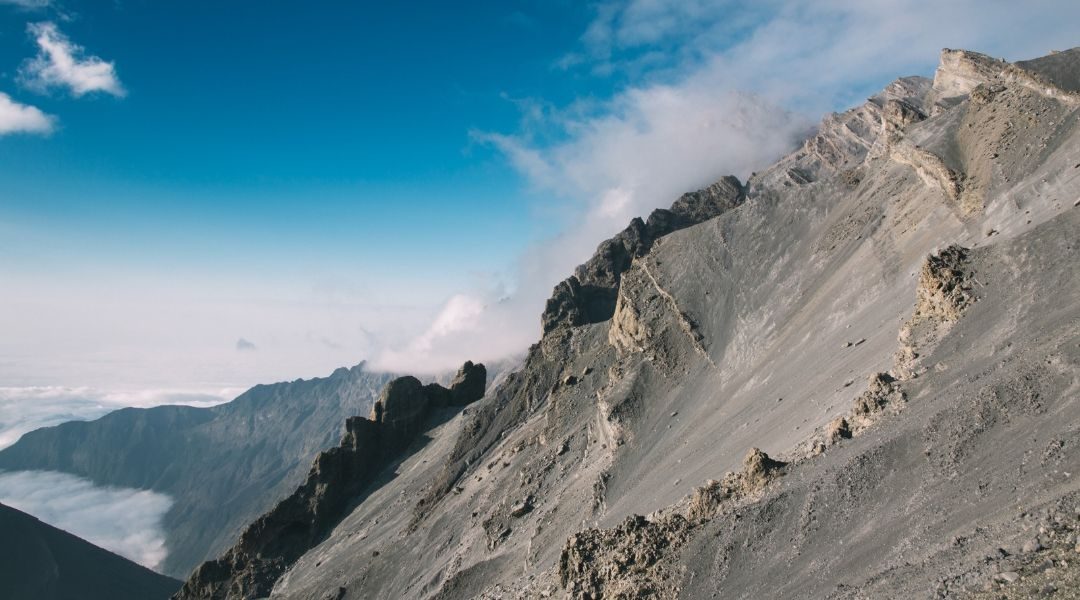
{"x":124,"y":521}
{"x":24,"y":409}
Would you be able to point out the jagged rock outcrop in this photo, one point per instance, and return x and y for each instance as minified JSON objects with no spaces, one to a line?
{"x":758,"y":470}
{"x":589,"y":295}
{"x":636,"y":558}
{"x":468,"y":384}
{"x":961,"y":71}
{"x":275,"y":540}
{"x":944,"y":289}
{"x":843,"y":141}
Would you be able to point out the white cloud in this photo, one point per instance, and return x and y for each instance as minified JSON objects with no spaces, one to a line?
{"x":813,"y":54}
{"x":123,"y":520}
{"x":21,"y":118}
{"x":722,"y":88}
{"x":24,"y":409}
{"x":61,"y":63}
{"x":30,"y":4}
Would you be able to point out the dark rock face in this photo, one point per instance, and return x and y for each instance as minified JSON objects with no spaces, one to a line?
{"x":278,"y":538}
{"x":589,"y":295}
{"x":402,"y":409}
{"x":41,"y":562}
{"x":468,"y":385}
{"x":704,"y":204}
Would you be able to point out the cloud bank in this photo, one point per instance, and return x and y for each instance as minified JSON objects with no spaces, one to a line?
{"x":60,"y":63}
{"x":122,"y":520}
{"x":21,"y":118}
{"x":24,"y":409}
{"x":720,"y":88}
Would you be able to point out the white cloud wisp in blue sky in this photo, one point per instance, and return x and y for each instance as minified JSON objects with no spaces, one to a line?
{"x":23,"y":118}
{"x":60,"y":63}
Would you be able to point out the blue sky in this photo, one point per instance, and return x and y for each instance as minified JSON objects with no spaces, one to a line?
{"x":338,"y":181}
{"x":269,"y":126}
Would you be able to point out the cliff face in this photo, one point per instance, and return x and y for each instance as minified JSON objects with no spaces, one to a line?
{"x":337,"y":477}
{"x":854,"y":376}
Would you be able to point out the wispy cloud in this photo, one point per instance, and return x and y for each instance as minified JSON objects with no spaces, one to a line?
{"x":60,"y":63}
{"x":27,"y":3}
{"x":720,"y":87}
{"x":24,"y":409}
{"x":123,"y":520}
{"x":22,"y":118}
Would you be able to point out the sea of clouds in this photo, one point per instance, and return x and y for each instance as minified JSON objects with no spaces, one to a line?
{"x":123,"y":520}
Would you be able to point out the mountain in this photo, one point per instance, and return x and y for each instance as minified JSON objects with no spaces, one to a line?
{"x":41,"y":562}
{"x":223,"y":466}
{"x":853,"y":376}
{"x":270,"y":545}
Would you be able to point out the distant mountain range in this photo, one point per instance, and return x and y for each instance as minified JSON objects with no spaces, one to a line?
{"x":223,"y":466}
{"x":41,"y":562}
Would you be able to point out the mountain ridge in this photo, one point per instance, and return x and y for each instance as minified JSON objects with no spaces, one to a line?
{"x":900,"y":246}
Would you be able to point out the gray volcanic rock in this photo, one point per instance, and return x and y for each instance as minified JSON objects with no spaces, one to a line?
{"x":922,"y":243}
{"x":275,"y":540}
{"x":1058,"y":68}
{"x":41,"y":562}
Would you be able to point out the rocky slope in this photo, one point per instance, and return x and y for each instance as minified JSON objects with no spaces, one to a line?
{"x":853,"y":376}
{"x":41,"y":562}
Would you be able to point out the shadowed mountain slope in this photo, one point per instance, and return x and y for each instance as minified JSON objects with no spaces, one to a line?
{"x":41,"y":562}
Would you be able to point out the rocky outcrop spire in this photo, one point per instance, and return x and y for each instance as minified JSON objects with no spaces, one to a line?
{"x":281,"y":536}
{"x":589,"y":295}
